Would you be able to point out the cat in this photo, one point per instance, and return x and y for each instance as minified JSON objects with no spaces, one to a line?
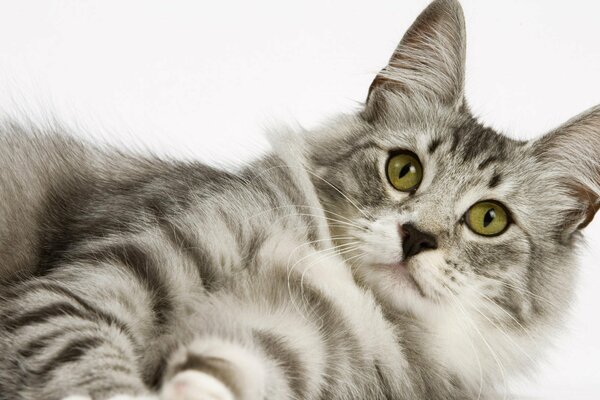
{"x":402,"y":252}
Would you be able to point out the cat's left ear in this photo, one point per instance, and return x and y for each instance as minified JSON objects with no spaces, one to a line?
{"x":429,"y":61}
{"x":573,"y":151}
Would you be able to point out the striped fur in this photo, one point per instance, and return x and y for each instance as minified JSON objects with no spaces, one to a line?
{"x":130,"y":277}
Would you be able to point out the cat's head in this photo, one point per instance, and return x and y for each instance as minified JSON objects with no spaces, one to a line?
{"x":435,"y":211}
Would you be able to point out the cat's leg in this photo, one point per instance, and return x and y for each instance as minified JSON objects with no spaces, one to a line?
{"x":85,"y":330}
{"x":284,"y":339}
{"x":289,"y":334}
{"x":265,"y":366}
{"x":213,"y":368}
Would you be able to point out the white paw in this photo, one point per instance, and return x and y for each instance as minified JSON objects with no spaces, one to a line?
{"x":194,"y":385}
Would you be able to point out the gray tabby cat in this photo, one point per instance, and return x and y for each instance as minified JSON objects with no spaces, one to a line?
{"x":404,"y":252}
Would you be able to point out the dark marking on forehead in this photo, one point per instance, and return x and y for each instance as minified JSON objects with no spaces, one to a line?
{"x":480,"y":140}
{"x":487,"y":162}
{"x":495,"y":181}
{"x":369,"y":144}
{"x":455,"y":140}
{"x":433,"y":145}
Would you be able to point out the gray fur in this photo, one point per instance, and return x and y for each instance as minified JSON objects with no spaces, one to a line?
{"x":121,"y":273}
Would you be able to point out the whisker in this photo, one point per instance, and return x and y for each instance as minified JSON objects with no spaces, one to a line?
{"x":491,"y":302}
{"x":476,"y":353}
{"x":337,"y":221}
{"x":315,"y":263}
{"x":308,"y":170}
{"x":506,"y":335}
{"x":340,"y":192}
{"x":292,"y":267}
{"x":489,"y":347}
{"x":524,"y":291}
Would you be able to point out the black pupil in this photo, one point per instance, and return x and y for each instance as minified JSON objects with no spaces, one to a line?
{"x":405,"y":170}
{"x":489,"y":217}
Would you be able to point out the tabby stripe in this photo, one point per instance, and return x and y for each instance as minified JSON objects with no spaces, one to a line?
{"x":487,"y":162}
{"x":121,"y":368}
{"x":44,"y":314}
{"x":356,"y":149}
{"x":71,"y":352}
{"x":154,"y":378}
{"x":34,"y":346}
{"x":144,"y":270}
{"x":433,"y":145}
{"x":108,"y":318}
{"x":199,"y":256}
{"x":219,"y":368}
{"x":455,"y":140}
{"x":252,"y":247}
{"x":495,"y":181}
{"x":293,"y":197}
{"x":276,"y":349}
{"x":341,"y":344}
{"x":384,"y":385}
{"x":96,"y":379}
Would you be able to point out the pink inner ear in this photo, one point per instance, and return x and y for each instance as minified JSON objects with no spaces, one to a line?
{"x":592,"y":209}
{"x":592,"y":202}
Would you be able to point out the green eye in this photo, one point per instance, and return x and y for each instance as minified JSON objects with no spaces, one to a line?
{"x":404,"y":171}
{"x":487,"y":218}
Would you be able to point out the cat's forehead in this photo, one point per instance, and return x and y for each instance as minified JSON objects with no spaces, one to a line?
{"x":454,"y":136}
{"x":469,"y":146}
{"x":475,"y":162}
{"x":462,"y":153}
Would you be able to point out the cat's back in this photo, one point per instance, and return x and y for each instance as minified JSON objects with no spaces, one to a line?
{"x":56,"y":190}
{"x":29,"y":162}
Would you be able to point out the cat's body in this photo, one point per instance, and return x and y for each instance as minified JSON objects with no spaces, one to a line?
{"x":165,"y":252}
{"x":307,"y":274}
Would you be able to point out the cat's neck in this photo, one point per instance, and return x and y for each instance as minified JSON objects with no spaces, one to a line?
{"x":467,"y":346}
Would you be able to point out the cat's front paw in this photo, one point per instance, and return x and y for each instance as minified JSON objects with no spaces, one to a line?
{"x":214,"y":369}
{"x":195,"y":385}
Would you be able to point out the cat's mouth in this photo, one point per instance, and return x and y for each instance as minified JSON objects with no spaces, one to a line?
{"x":402,"y":272}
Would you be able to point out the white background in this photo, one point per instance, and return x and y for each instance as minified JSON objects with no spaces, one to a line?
{"x":203,"y":79}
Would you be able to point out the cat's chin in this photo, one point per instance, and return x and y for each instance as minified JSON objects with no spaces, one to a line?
{"x":396,"y":285}
{"x":400,"y":271}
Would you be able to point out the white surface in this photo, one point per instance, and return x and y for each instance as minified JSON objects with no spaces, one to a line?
{"x":202,"y":79}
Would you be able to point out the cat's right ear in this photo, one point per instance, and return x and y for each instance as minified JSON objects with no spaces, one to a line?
{"x":429,"y":61}
{"x":572,"y":154}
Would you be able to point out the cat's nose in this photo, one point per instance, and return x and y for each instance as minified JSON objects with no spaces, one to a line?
{"x":414,"y":241}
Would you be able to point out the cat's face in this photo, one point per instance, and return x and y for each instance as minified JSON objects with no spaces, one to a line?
{"x":434,"y":211}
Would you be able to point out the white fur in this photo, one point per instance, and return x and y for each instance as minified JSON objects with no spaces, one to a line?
{"x":250,"y":369}
{"x":194,"y":385}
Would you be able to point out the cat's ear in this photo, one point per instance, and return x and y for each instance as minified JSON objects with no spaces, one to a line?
{"x":429,"y":61}
{"x":573,"y":151}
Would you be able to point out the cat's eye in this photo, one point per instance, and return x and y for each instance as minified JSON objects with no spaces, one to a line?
{"x":404,"y":171}
{"x":487,"y":218}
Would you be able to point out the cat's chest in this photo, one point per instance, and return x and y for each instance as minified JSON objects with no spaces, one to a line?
{"x":328,"y":272}
{"x":477,"y":353}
